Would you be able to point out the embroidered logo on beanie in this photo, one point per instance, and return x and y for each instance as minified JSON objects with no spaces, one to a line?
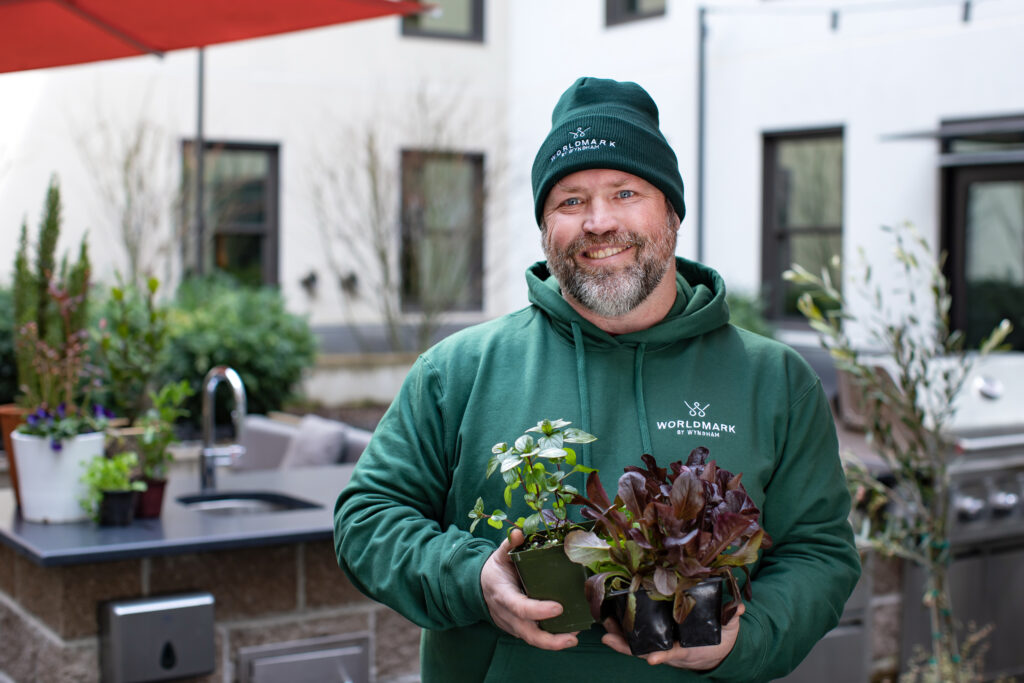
{"x":580,"y":143}
{"x":601,"y":123}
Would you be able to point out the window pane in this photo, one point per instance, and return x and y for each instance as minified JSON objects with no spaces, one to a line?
{"x":235,"y":187}
{"x":648,"y":6}
{"x":453,"y":18}
{"x":994,"y":257}
{"x":809,"y":177}
{"x":442,"y":231}
{"x":241,"y":256}
{"x":813,"y":251}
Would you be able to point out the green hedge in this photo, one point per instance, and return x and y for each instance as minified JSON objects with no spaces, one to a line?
{"x":8,"y":363}
{"x":213,"y":321}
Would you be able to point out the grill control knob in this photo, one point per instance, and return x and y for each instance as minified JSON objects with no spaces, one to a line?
{"x":1003,"y":502}
{"x":968,"y":508}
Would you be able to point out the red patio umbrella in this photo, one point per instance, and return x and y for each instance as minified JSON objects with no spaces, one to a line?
{"x":36,"y":34}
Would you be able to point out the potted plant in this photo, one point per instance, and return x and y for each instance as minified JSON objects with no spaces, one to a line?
{"x":539,"y":467}
{"x":61,"y":430}
{"x":661,"y":550}
{"x":110,"y":489}
{"x":156,"y":435}
{"x":131,"y":346}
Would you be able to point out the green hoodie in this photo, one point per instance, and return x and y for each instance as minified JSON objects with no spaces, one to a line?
{"x":691,"y":380}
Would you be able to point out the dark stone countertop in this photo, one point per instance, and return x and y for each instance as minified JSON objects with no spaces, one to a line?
{"x":180,"y":530}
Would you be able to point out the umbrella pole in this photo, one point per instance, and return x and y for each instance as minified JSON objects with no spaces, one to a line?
{"x":199,"y":156}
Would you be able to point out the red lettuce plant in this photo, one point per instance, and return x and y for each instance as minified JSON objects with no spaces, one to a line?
{"x":666,"y":531}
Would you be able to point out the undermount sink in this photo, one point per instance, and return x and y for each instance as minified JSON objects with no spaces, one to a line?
{"x":243,"y":502}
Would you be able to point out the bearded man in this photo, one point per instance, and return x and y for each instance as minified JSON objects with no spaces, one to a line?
{"x":620,"y":336}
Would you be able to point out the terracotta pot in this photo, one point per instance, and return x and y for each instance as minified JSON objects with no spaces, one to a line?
{"x":51,"y":481}
{"x":11,"y":416}
{"x":149,"y":503}
{"x":548,"y":574}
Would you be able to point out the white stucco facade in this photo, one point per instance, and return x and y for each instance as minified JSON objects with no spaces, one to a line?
{"x":879,"y":69}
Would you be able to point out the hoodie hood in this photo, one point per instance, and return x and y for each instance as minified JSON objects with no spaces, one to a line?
{"x":698,"y":309}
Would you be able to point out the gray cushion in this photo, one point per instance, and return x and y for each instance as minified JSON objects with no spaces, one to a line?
{"x":318,"y":441}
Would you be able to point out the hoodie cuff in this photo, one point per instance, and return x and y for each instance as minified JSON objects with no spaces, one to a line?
{"x":748,"y":654}
{"x":462,"y":591}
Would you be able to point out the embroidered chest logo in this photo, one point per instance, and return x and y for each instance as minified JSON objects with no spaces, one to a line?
{"x":696,"y":421}
{"x":580,"y":140}
{"x":696,"y":410}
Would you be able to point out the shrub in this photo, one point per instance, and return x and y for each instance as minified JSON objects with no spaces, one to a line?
{"x":213,"y":321}
{"x":747,"y":311}
{"x":8,"y":364}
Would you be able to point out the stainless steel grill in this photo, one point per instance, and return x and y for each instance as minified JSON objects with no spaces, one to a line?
{"x":986,"y":517}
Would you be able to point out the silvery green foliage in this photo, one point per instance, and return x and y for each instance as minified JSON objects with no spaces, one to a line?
{"x":539,"y":466}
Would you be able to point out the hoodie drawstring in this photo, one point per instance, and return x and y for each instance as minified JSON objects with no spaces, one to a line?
{"x":584,"y":392}
{"x":638,"y":389}
{"x":581,"y":384}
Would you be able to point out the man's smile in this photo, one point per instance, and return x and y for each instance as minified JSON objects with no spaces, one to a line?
{"x":599,"y":253}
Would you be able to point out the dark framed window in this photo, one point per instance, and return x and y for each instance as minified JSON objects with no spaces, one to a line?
{"x":623,"y":11}
{"x":983,"y":224}
{"x":240,"y":211}
{"x":455,"y":19}
{"x":802,"y":212}
{"x":441,"y":252}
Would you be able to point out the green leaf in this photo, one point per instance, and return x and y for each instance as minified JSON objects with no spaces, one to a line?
{"x":574,"y":435}
{"x":586,"y":547}
{"x":510,"y":463}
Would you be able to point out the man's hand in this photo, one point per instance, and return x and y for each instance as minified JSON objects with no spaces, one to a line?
{"x":697,"y":658}
{"x":510,"y":609}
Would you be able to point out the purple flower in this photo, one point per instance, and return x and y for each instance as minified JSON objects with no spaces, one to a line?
{"x":56,"y":444}
{"x":32,"y":420}
{"x":61,"y":411}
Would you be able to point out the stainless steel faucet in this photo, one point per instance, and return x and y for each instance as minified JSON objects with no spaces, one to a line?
{"x":211,"y":456}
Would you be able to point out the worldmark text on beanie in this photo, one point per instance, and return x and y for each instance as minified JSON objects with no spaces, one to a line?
{"x":601,"y":123}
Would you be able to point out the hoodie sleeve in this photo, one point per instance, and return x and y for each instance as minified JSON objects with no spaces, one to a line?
{"x":389,"y":535}
{"x":802,"y":583}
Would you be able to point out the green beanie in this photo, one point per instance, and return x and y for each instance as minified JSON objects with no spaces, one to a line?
{"x":601,"y":123}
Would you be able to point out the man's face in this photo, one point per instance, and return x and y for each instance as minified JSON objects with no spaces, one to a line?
{"x":609,"y":238}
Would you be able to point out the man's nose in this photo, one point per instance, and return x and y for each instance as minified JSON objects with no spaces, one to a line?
{"x":601,"y":218}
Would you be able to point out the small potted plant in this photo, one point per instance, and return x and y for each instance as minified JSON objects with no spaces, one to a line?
{"x":110,"y":489}
{"x":660,"y":551}
{"x":153,"y":443}
{"x":539,"y":467}
{"x":61,"y":429}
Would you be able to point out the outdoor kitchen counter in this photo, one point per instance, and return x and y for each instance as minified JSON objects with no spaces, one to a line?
{"x":180,"y":530}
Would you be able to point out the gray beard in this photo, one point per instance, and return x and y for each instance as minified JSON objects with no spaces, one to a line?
{"x":613,"y":293}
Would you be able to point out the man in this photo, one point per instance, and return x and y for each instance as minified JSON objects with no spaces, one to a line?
{"x":633,"y":345}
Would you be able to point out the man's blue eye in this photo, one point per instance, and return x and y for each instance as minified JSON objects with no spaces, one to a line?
{"x":572,"y":201}
{"x":625,"y":194}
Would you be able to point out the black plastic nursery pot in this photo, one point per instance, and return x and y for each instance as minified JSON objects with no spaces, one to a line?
{"x":117,"y":508}
{"x":703,"y":625}
{"x":547,"y":574}
{"x":653,"y":629}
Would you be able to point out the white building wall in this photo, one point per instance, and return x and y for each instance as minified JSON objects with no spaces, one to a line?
{"x":888,"y":68}
{"x":308,"y":92}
